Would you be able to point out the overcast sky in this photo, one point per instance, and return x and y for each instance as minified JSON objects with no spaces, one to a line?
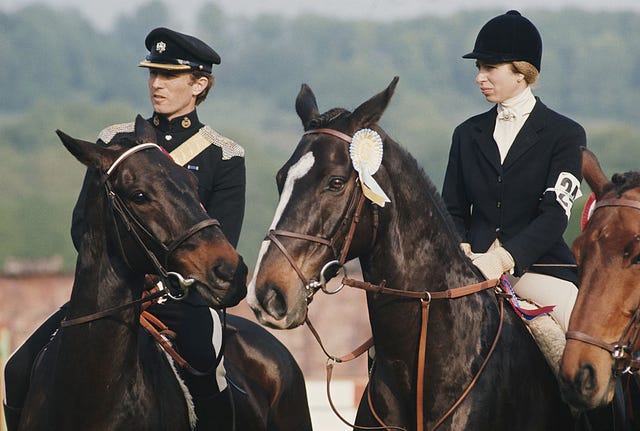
{"x":103,"y":13}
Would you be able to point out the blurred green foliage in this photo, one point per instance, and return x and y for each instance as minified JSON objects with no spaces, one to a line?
{"x":59,"y":72}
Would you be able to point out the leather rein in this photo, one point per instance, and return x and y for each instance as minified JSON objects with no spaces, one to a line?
{"x":351,"y":218}
{"x":135,"y":227}
{"x":625,"y":359}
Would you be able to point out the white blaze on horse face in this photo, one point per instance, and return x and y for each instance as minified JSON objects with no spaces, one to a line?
{"x":296,"y":171}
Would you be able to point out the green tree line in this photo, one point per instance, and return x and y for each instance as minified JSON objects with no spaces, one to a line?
{"x":59,"y":72}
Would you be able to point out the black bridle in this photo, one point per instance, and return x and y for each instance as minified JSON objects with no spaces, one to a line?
{"x":625,"y":354}
{"x":174,"y":285}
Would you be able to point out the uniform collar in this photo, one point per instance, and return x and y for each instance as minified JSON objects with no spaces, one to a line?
{"x":181,"y":123}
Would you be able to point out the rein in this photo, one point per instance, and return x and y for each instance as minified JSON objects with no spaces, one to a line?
{"x":133,"y":225}
{"x":425,"y":298}
{"x":352,"y":217}
{"x":621,"y":350}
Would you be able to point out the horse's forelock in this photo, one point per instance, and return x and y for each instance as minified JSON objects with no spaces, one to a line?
{"x":623,"y":182}
{"x":323,"y":120}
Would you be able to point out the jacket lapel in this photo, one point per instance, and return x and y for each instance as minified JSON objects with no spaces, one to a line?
{"x":528,"y":136}
{"x":483,"y":138}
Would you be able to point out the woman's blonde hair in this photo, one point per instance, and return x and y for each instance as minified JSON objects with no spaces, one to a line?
{"x":528,"y":70}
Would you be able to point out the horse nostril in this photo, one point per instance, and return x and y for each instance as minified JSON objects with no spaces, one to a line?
{"x":273,"y":302}
{"x":585,"y":379}
{"x":223,"y":272}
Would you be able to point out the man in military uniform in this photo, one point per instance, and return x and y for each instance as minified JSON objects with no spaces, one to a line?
{"x":180,"y":77}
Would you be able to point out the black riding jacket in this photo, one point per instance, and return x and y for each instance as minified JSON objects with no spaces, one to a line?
{"x":524,"y":201}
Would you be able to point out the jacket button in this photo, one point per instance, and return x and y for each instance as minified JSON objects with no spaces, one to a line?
{"x":499,"y":204}
{"x":499,"y":178}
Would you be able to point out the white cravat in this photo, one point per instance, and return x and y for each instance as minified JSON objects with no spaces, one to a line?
{"x":512,"y":113}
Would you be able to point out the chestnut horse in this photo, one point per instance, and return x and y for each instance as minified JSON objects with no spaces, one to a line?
{"x":603,"y":338}
{"x":482,"y":370}
{"x":101,"y":371}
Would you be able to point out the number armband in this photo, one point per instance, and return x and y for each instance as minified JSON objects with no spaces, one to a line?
{"x":567,"y":190}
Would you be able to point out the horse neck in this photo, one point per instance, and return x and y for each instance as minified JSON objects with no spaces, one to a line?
{"x":416,"y":235}
{"x":102,"y":281}
{"x":416,"y":250}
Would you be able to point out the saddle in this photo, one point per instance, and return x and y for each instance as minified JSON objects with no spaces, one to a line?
{"x":547,"y":333}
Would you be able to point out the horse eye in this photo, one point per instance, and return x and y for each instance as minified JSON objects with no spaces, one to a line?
{"x":336,"y":184}
{"x":139,"y":197}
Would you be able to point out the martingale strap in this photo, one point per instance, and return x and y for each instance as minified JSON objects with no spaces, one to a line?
{"x":425,"y":298}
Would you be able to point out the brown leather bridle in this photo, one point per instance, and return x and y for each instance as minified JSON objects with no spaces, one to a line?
{"x":350,"y":221}
{"x":137,"y":229}
{"x":626,"y":360}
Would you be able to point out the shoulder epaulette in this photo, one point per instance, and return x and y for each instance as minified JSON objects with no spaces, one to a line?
{"x":107,"y":134}
{"x":229,"y":147}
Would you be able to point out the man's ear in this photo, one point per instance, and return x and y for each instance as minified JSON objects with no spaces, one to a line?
{"x":200,"y":85}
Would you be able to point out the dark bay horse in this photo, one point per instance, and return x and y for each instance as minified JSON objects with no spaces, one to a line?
{"x":603,"y":338}
{"x":101,"y":371}
{"x":406,"y":248}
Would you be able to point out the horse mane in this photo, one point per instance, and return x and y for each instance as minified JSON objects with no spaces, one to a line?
{"x":623,"y":182}
{"x":423,"y":183}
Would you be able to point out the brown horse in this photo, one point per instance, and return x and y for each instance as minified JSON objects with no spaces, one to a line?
{"x":100,"y":371}
{"x":479,"y":369}
{"x":603,"y":338}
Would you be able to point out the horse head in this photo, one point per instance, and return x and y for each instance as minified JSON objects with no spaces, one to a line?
{"x":602,"y":338}
{"x":319,"y":222}
{"x":146,"y":208}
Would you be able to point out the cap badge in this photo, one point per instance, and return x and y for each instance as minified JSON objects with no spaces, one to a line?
{"x":161,"y":47}
{"x":366,"y":155}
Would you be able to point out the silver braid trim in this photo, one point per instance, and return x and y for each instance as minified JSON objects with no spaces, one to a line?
{"x":229,"y":147}
{"x":107,"y":134}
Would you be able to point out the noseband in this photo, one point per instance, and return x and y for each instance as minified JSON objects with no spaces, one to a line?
{"x":626,"y":359}
{"x":351,"y":219}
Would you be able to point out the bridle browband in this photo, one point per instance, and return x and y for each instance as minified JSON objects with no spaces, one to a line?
{"x":621,"y":350}
{"x":134,"y":226}
{"x":350,"y":220}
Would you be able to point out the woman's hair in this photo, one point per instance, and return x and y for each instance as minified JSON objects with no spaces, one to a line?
{"x":197,"y":74}
{"x":527,"y":69}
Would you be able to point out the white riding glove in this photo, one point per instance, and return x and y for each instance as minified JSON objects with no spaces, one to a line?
{"x":494,"y":262}
{"x":466,"y":249}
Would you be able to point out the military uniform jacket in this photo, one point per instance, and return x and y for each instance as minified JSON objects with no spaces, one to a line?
{"x":220,"y":169}
{"x":523,"y":202}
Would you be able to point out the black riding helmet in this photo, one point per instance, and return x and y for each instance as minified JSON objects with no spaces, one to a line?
{"x":508,"y":37}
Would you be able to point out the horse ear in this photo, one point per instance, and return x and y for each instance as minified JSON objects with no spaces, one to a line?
{"x":144,"y":131}
{"x":592,"y":172}
{"x":89,"y":154}
{"x":370,"y":111}
{"x":306,"y":105}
